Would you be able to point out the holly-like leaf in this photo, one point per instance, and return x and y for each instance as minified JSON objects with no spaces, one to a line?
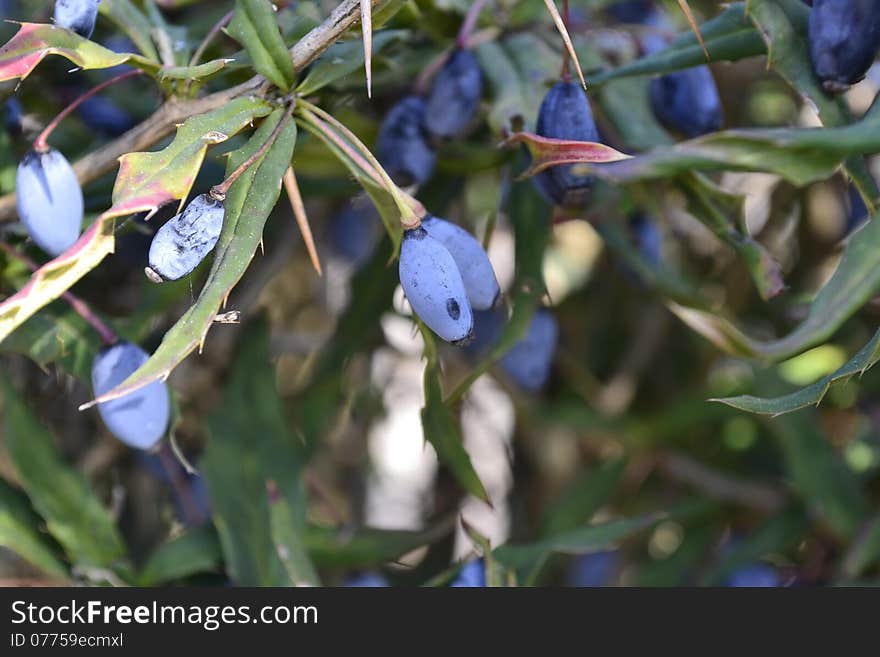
{"x":248,"y":204}
{"x":35,"y":41}
{"x":813,"y":394}
{"x":255,"y":27}
{"x":146,"y":181}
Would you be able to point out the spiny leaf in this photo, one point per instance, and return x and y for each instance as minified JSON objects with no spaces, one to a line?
{"x":145,"y":182}
{"x":813,"y":394}
{"x":34,"y":41}
{"x":248,"y":204}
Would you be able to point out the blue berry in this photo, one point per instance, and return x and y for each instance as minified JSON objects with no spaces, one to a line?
{"x":647,"y":238}
{"x":755,"y":576}
{"x":858,"y":211}
{"x":565,"y":114}
{"x":12,"y":115}
{"x":434,"y":288}
{"x":528,"y":362}
{"x":77,"y":15}
{"x":49,"y":199}
{"x":687,"y":101}
{"x":594,"y":569}
{"x":372,"y":580}
{"x":103,"y":115}
{"x":632,"y":11}
{"x":844,"y":38}
{"x":472,"y":575}
{"x":184,"y":241}
{"x":354,"y":233}
{"x":473,"y":262}
{"x":488,"y":325}
{"x":402,"y":147}
{"x":455,"y":96}
{"x":140,"y":418}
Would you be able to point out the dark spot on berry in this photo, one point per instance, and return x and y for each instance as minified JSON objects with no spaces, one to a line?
{"x":453,"y":308}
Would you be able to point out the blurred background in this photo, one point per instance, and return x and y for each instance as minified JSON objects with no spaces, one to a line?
{"x":321,"y":382}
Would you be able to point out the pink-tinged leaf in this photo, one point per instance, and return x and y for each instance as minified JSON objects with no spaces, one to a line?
{"x":146,"y":182}
{"x":547,"y":152}
{"x":34,"y":41}
{"x":55,"y":277}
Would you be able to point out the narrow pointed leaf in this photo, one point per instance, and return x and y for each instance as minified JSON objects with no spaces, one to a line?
{"x":255,"y":27}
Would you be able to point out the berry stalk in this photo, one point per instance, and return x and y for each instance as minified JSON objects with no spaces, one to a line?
{"x":203,"y":46}
{"x":470,"y":21}
{"x":219,"y":191}
{"x":41,"y":143}
{"x":108,"y":335}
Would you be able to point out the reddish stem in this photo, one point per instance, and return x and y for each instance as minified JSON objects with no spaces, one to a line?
{"x":470,"y":20}
{"x":80,"y":307}
{"x":219,"y":191}
{"x":565,"y":73}
{"x":41,"y":145}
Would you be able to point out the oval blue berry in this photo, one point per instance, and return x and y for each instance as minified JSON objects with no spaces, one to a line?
{"x":473,"y":262}
{"x":139,"y":419}
{"x":434,"y":288}
{"x":77,"y":15}
{"x":471,"y":575}
{"x":402,"y":147}
{"x":528,"y":362}
{"x":565,"y":114}
{"x":687,"y":101}
{"x":844,"y":38}
{"x":49,"y":200}
{"x":185,"y":239}
{"x":455,"y":96}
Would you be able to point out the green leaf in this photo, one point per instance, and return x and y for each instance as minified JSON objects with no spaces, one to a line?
{"x":365,"y":547}
{"x":58,"y":336}
{"x":193,"y":552}
{"x":61,"y":495}
{"x":813,"y":394}
{"x":783,"y":25}
{"x":584,"y":540}
{"x":255,"y":28}
{"x":18,"y":533}
{"x":439,"y":426}
{"x":145,"y":182}
{"x":132,"y":21}
{"x":237,"y":471}
{"x":289,"y":540}
{"x":863,"y":552}
{"x":583,"y":498}
{"x":248,"y":204}
{"x":819,"y":473}
{"x":342,"y":59}
{"x":777,"y":534}
{"x":34,"y":41}
{"x":199,"y":72}
{"x":724,"y":214}
{"x":730,"y":36}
